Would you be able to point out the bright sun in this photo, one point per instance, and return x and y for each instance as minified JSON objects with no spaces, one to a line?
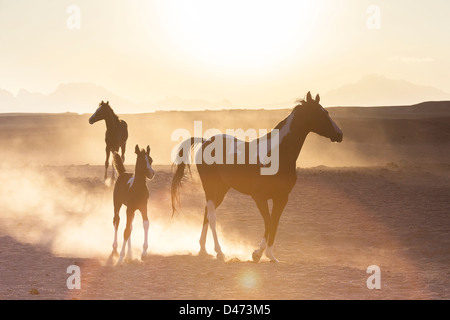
{"x":244,"y":34}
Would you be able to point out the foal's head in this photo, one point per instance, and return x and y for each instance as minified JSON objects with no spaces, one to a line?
{"x":319,"y":120}
{"x":103,"y":109}
{"x":144,"y":162}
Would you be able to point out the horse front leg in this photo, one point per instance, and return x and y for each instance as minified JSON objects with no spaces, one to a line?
{"x":146,"y":225}
{"x":211,"y":209}
{"x":107,"y":162}
{"x":127,"y":237}
{"x":203,"y":235}
{"x":278,"y":206}
{"x":116,"y":222}
{"x":123,"y":148}
{"x":264,"y":210}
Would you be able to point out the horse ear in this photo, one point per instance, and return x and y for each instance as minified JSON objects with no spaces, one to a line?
{"x":136,"y":150}
{"x":318,"y":98}
{"x":309,"y":97}
{"x":148,"y":150}
{"x":107,"y":102}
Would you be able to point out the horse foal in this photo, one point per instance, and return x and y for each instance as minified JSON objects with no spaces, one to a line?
{"x":131,"y":190}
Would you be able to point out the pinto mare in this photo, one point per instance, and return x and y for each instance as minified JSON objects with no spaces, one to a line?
{"x":116,"y":132}
{"x":131,"y":190}
{"x":308,"y":116}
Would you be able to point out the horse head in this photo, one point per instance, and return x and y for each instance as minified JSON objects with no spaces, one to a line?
{"x":100,"y":114}
{"x":319,"y":120}
{"x":144,"y":162}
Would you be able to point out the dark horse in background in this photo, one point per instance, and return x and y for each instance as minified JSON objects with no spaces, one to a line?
{"x":308,"y":116}
{"x":116,"y":132}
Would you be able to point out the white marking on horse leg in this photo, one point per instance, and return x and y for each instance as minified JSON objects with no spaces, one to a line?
{"x":203,"y":238}
{"x":262,"y":245}
{"x":269,"y":254}
{"x":258,"y":252}
{"x":145,"y":246}
{"x":108,"y":182}
{"x":122,"y":253}
{"x":115,"y":245}
{"x":211,"y":207}
{"x":129,"y":252}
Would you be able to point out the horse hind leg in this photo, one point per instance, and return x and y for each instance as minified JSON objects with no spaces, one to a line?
{"x":211,"y":209}
{"x":264,"y":210}
{"x":202,"y":241}
{"x":220,"y":195}
{"x":127,"y":238}
{"x":116,"y":222}
{"x":106,"y":163}
{"x":278,"y":207}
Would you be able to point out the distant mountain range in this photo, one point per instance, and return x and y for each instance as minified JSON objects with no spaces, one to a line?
{"x":85,"y":98}
{"x":371,"y":90}
{"x":377,"y":90}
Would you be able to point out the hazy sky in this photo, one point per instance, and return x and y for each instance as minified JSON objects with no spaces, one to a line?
{"x":247,"y":51}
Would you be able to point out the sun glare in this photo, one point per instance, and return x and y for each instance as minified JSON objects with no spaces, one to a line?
{"x":238,"y":34}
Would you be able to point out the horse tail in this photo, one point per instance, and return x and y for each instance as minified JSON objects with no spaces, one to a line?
{"x":118,"y":164}
{"x":181,"y":162}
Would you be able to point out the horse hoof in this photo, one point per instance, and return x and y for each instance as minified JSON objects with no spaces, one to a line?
{"x":256,"y":256}
{"x":119,"y":263}
{"x":220,"y":256}
{"x":202,"y":253}
{"x":143,"y":256}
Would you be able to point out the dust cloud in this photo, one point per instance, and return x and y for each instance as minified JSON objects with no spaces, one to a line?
{"x":72,"y":216}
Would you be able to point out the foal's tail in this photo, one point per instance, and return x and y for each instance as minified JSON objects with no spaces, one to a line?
{"x":118,"y":164}
{"x":181,"y":162}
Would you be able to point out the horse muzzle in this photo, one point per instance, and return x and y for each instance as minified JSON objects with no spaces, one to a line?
{"x":337,"y":137}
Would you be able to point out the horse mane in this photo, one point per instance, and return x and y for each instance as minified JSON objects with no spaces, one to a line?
{"x":300,"y":103}
{"x":116,"y":117}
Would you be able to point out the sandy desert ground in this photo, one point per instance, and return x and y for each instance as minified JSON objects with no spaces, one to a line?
{"x":339,"y":221}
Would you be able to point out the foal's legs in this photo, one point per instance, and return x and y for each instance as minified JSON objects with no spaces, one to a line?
{"x":107,"y":162}
{"x":127,"y":236}
{"x":146,"y":226}
{"x":116,"y":222}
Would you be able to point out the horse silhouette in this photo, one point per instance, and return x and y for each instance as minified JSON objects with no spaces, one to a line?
{"x":116,"y":132}
{"x":217,"y":178}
